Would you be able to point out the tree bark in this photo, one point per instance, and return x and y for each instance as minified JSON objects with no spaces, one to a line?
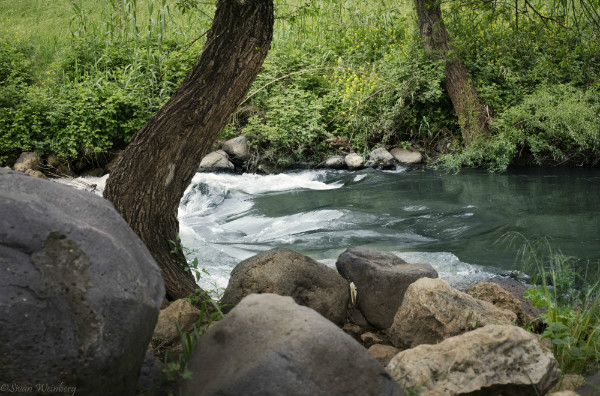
{"x":473,"y":115}
{"x":149,"y":180}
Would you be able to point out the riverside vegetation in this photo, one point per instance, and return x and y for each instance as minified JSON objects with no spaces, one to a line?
{"x":78,"y":78}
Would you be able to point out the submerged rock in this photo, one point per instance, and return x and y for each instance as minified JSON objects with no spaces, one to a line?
{"x":270,"y":346}
{"x":433,"y":311}
{"x":381,"y":279}
{"x":289,"y":273}
{"x":79,"y":291}
{"x":492,"y":361}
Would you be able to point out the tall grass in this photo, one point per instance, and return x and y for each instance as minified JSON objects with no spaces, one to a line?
{"x":569,"y":293}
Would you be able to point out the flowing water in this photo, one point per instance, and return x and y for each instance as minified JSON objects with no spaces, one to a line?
{"x":453,"y":222}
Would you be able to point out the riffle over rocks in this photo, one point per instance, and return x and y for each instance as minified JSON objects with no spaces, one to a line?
{"x":79,"y":292}
{"x":381,"y":279}
{"x":433,"y":311}
{"x":270,"y":346}
{"x":289,"y":273}
{"x":490,"y":361}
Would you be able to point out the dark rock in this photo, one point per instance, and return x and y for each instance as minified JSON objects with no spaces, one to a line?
{"x":289,"y":273}
{"x":382,"y":157}
{"x":152,"y":381}
{"x":113,"y":161}
{"x":238,"y":149}
{"x":590,"y":386}
{"x":381,"y":279}
{"x":270,"y":346}
{"x":79,"y":291}
{"x":64,"y":170}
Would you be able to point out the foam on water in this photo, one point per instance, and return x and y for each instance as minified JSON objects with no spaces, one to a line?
{"x":457,"y":273}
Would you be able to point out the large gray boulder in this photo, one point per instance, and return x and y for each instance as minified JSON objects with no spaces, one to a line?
{"x":382,"y":157}
{"x":432,"y":311}
{"x":217,"y":161}
{"x":270,"y":346}
{"x":381,"y":279}
{"x":492,"y":361}
{"x":237,"y":148}
{"x":79,"y":292}
{"x":289,"y":273}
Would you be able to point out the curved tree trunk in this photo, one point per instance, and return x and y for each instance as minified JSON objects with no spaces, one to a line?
{"x":473,"y":115}
{"x":155,"y":169}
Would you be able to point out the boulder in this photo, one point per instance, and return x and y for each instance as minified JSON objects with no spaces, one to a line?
{"x":518,"y":289}
{"x":289,"y":273}
{"x":216,"y":161}
{"x":94,"y":172}
{"x":433,"y":311}
{"x":353,"y":161}
{"x":79,"y":291}
{"x":383,"y":353}
{"x":493,"y":360}
{"x":180,"y":312}
{"x":335,"y":162}
{"x":270,"y":346}
{"x":65,"y":171}
{"x":495,"y":294}
{"x":405,"y":156}
{"x":151,"y":381}
{"x":237,"y":148}
{"x":381,"y":279}
{"x":28,"y":160}
{"x":382,"y":157}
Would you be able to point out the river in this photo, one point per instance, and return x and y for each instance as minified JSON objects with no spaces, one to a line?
{"x":454,"y":222}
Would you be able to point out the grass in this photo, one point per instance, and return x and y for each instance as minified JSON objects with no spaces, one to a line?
{"x":569,"y":293}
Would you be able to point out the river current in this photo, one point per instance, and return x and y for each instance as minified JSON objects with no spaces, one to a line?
{"x":454,"y":222}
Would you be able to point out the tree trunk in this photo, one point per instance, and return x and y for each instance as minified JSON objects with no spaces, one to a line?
{"x":473,"y":115}
{"x":155,"y":169}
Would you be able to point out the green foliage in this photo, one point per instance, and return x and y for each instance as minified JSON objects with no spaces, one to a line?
{"x":570,"y":295}
{"x":192,"y":267}
{"x":355,"y":70}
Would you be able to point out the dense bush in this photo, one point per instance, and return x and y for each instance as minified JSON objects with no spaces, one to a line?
{"x":348,"y":70}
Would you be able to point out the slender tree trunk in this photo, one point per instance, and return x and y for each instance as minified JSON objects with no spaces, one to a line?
{"x":155,"y":169}
{"x":473,"y":115}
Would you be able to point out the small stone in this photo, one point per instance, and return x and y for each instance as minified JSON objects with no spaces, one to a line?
{"x":353,"y":161}
{"x":369,"y":338}
{"x":335,"y":162}
{"x":180,"y":312}
{"x":216,"y":161}
{"x":238,"y":148}
{"x":35,"y":173}
{"x":28,"y":160}
{"x":383,"y":353}
{"x":382,"y":157}
{"x":405,"y":156}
